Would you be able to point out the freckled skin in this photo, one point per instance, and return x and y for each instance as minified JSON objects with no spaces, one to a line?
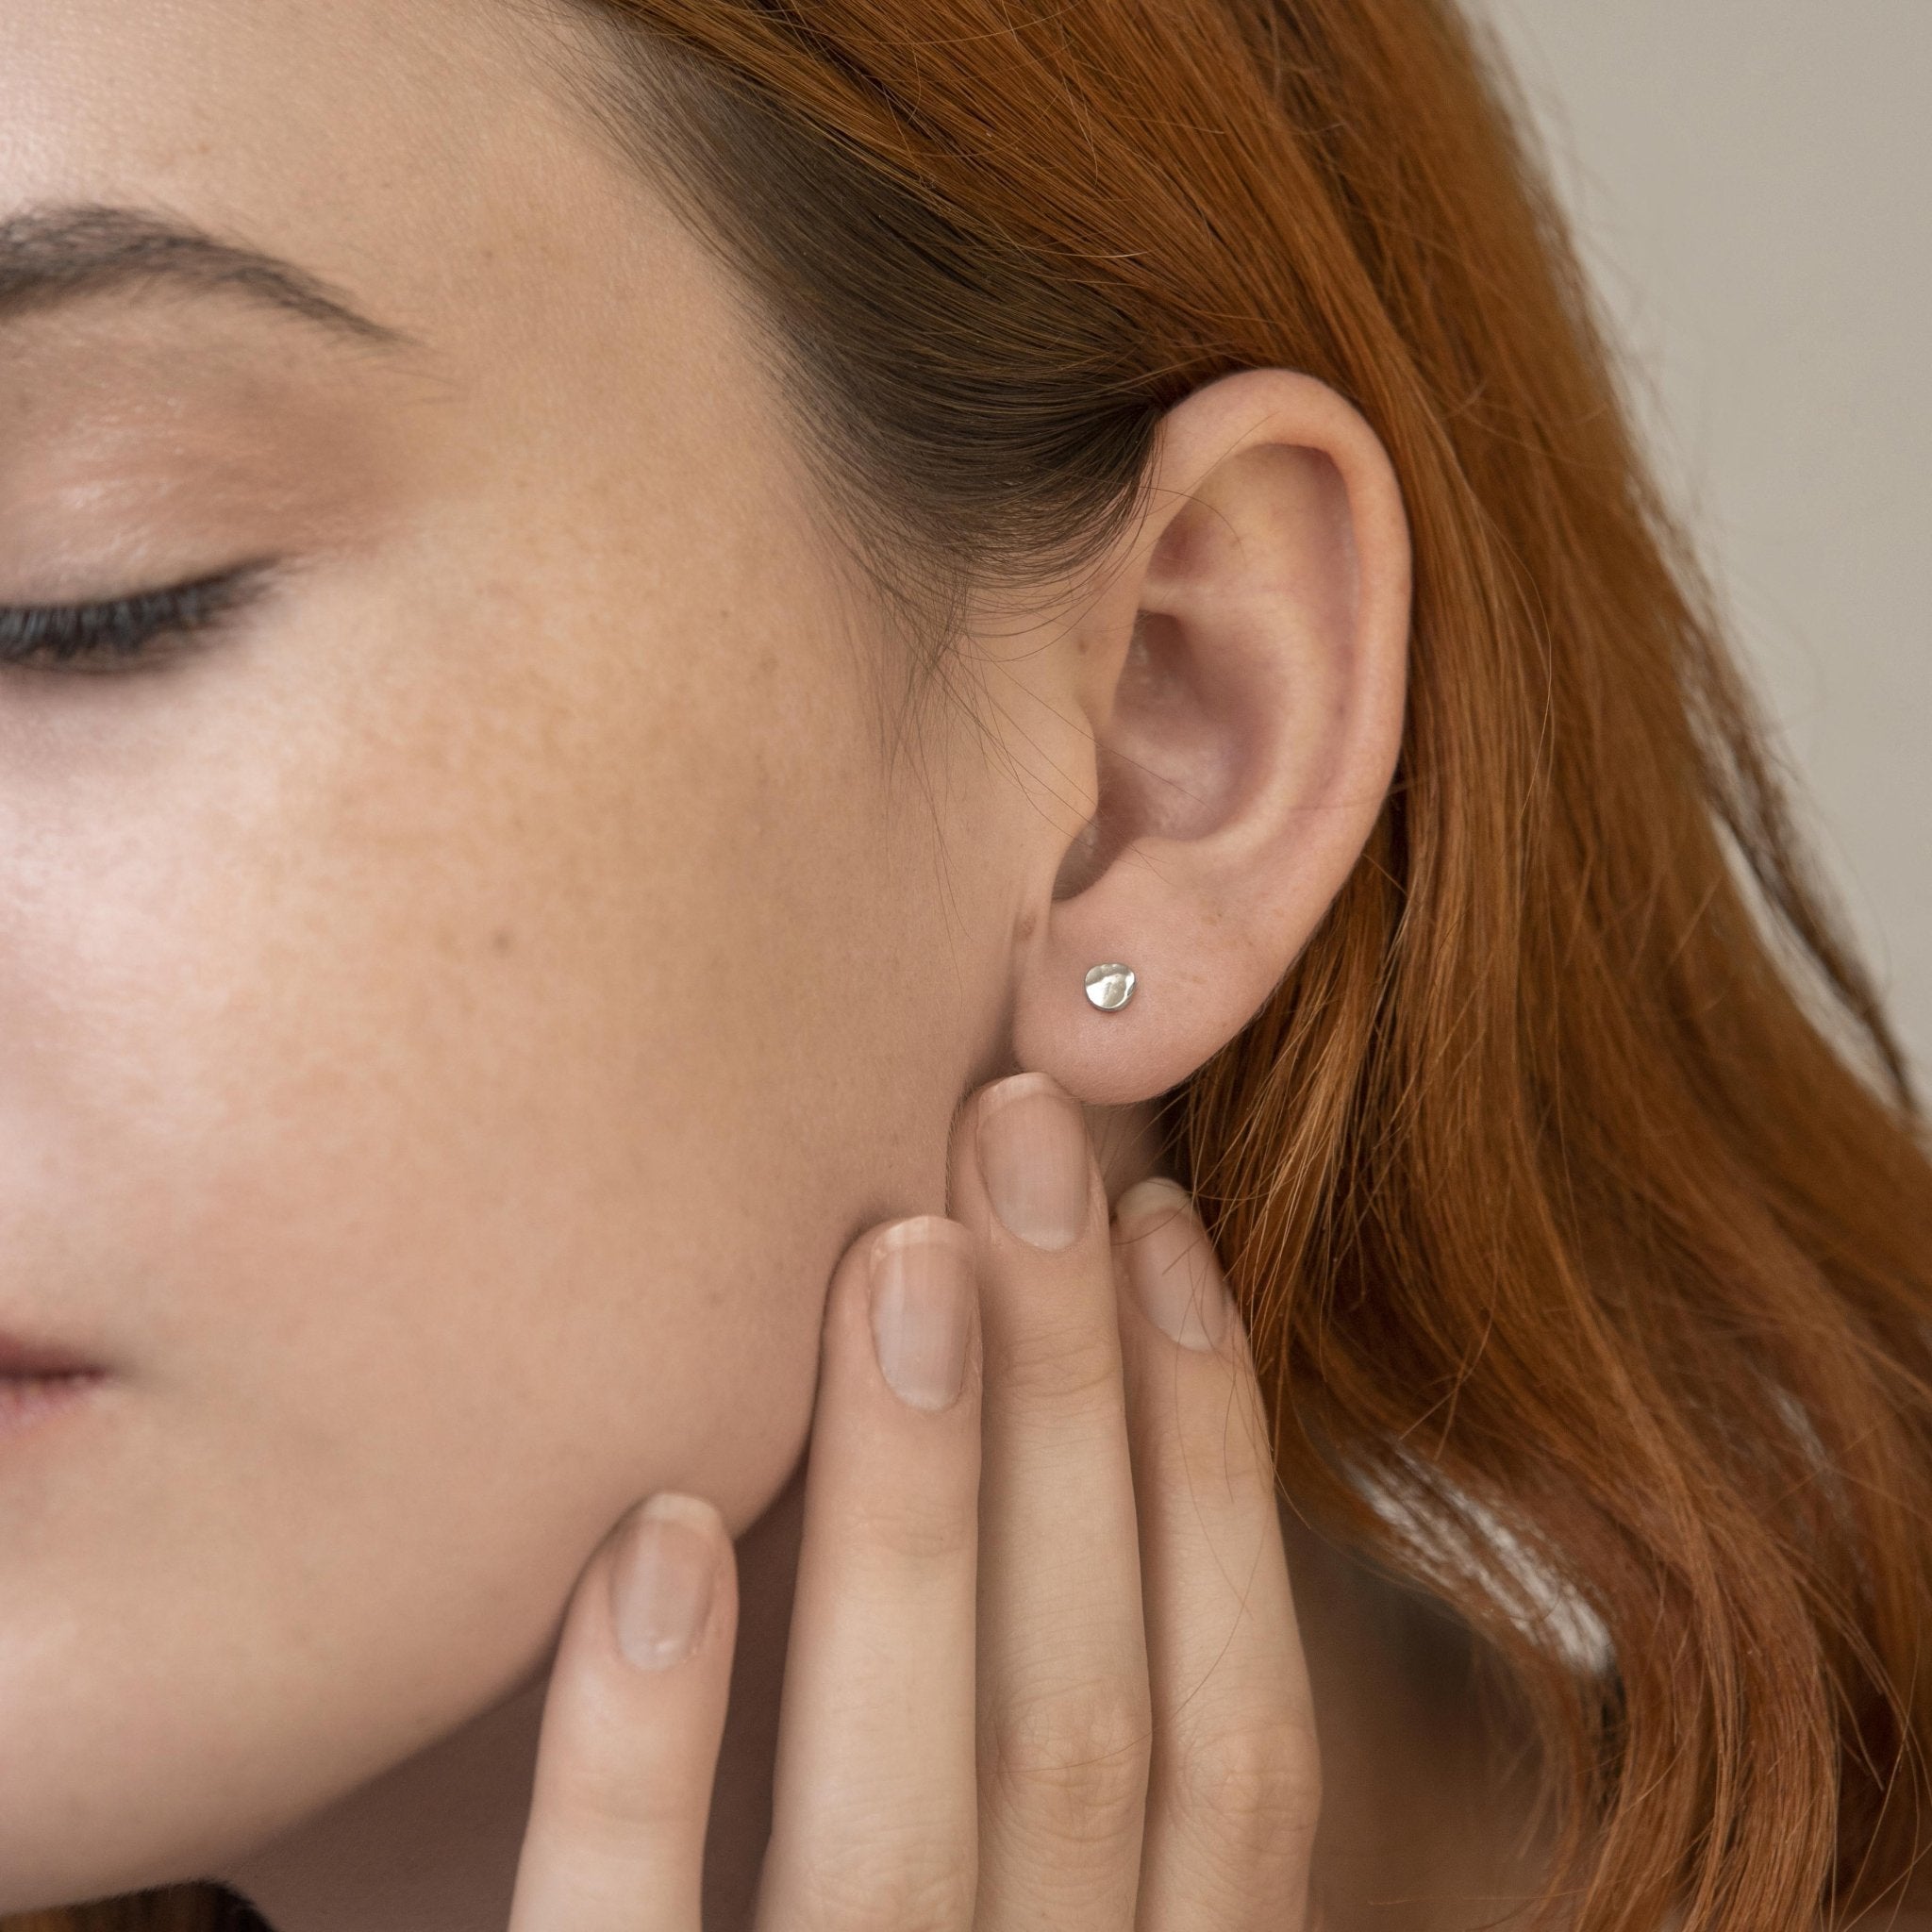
{"x":459,"y":1013}
{"x":456,"y":1020}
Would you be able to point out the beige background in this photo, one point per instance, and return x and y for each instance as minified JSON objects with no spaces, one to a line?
{"x":1753,"y":180}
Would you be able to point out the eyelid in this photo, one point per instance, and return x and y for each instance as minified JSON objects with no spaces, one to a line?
{"x":117,"y":634}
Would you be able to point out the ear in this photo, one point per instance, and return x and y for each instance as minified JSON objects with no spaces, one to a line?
{"x":1240,"y":674}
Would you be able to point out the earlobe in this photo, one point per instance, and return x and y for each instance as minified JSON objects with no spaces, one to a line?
{"x":1244,"y":676}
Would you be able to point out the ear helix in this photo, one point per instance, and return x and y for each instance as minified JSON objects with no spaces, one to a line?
{"x":1111,"y":987}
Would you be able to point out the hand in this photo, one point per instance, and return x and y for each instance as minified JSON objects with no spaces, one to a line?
{"x":1089,"y":1520}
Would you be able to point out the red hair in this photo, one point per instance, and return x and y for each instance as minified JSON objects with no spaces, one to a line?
{"x":1571,"y":1183}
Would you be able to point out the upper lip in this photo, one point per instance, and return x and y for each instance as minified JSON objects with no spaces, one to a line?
{"x":21,"y":1359}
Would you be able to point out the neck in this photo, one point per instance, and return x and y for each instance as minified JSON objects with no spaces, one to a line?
{"x":432,"y":1845}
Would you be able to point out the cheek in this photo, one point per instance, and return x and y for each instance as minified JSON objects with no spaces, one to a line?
{"x":396,"y":1048}
{"x":444,"y":1104}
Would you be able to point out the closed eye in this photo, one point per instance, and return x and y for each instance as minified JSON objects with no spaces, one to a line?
{"x":123,"y":633}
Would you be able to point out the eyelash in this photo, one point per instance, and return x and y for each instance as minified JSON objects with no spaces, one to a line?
{"x":121,"y":632}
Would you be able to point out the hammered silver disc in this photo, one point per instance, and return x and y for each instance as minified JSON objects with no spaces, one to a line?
{"x":1109,"y":988}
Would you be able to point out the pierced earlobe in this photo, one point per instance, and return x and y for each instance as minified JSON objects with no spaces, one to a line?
{"x":1109,"y":988}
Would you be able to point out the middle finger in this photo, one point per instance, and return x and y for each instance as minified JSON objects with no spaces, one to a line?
{"x":1064,"y":1701}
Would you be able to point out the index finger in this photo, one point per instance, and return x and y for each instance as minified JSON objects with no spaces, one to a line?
{"x":631,"y":1730}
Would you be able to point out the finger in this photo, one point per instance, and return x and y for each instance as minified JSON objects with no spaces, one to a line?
{"x":1064,"y":1702}
{"x":874,"y":1809}
{"x":631,"y":1728}
{"x":1234,"y":1789}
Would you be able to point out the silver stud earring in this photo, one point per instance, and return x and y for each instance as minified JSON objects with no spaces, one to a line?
{"x":1109,"y":988}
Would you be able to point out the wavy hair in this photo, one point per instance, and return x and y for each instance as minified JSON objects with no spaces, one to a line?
{"x":1571,"y":1182}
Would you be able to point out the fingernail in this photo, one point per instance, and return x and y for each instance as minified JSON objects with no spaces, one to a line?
{"x":922,"y":1309}
{"x":1033,"y":1155}
{"x":660,"y":1582}
{"x":1171,"y":1266}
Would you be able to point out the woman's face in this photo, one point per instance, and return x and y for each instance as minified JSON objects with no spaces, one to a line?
{"x":456,"y":1011}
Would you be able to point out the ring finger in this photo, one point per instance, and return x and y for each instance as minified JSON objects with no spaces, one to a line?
{"x":1062,"y":1660}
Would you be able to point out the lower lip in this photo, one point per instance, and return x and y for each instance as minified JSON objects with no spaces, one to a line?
{"x":27,"y":1401}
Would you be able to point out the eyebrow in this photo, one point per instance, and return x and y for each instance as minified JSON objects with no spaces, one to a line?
{"x":52,"y":253}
